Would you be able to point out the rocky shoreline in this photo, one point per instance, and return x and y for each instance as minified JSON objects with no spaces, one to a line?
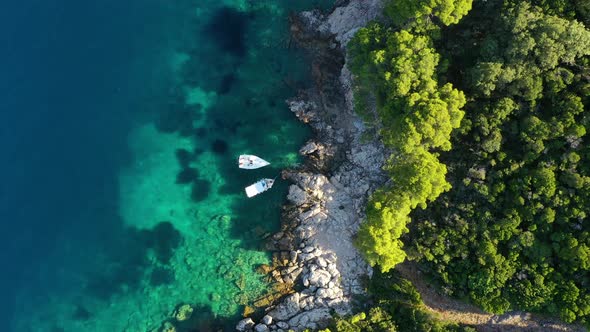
{"x":314,"y":256}
{"x":314,"y":250}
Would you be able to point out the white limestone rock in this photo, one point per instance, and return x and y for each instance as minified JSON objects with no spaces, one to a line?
{"x":245,"y":324}
{"x":296,"y":195}
{"x":267,"y":320}
{"x":321,"y":262}
{"x":286,"y":309}
{"x":307,"y":303}
{"x":261,"y":328}
{"x":304,"y":319}
{"x":345,"y":21}
{"x":319,"y":278}
{"x":309,"y":148}
{"x":311,"y":212}
{"x":307,"y":250}
{"x":329,"y":293}
{"x":282,"y":325}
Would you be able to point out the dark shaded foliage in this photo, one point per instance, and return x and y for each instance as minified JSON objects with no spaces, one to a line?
{"x":395,"y":306}
{"x":513,"y":232}
{"x":397,"y":70}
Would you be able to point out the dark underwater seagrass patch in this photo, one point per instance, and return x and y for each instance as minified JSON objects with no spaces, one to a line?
{"x":227,"y":29}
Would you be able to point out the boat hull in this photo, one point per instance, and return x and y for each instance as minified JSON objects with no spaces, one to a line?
{"x":259,"y":187}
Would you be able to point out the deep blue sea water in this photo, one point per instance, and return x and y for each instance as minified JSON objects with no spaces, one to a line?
{"x":69,"y":87}
{"x":80,"y":82}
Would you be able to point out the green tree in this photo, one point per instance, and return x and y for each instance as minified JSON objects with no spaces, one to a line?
{"x":419,"y":174}
{"x":379,"y":236}
{"x":513,"y":231}
{"x":448,"y":11}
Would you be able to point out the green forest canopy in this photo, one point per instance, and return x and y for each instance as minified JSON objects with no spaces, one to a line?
{"x":498,"y":169}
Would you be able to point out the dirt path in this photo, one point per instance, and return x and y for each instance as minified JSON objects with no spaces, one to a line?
{"x":451,"y":310}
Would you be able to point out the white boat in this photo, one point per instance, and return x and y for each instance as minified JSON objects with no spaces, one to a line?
{"x":259,"y":187}
{"x":248,"y":161}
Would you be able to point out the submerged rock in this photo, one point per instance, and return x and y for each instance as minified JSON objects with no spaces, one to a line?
{"x":167,"y":327}
{"x":183,"y":312}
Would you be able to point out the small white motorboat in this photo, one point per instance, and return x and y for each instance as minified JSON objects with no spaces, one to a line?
{"x":248,"y":161}
{"x":259,"y":187}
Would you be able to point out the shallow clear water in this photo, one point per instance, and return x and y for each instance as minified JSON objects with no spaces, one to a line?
{"x":121,"y":125}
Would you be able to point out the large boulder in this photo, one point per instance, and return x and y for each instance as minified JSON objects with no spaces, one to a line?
{"x":183,"y":312}
{"x":344,"y":21}
{"x":309,"y":148}
{"x":261,"y":328}
{"x":282,"y":325}
{"x":296,"y":195}
{"x":328,"y":293}
{"x":286,"y":309}
{"x":318,"y":278}
{"x":305,"y":319}
{"x":245,"y":324}
{"x":267,"y":320}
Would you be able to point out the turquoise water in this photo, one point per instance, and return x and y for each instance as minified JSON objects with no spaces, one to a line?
{"x":123,"y":193}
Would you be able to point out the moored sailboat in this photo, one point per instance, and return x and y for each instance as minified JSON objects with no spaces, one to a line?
{"x":248,"y":161}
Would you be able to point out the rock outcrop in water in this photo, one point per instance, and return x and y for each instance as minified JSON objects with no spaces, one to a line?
{"x":328,"y":194}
